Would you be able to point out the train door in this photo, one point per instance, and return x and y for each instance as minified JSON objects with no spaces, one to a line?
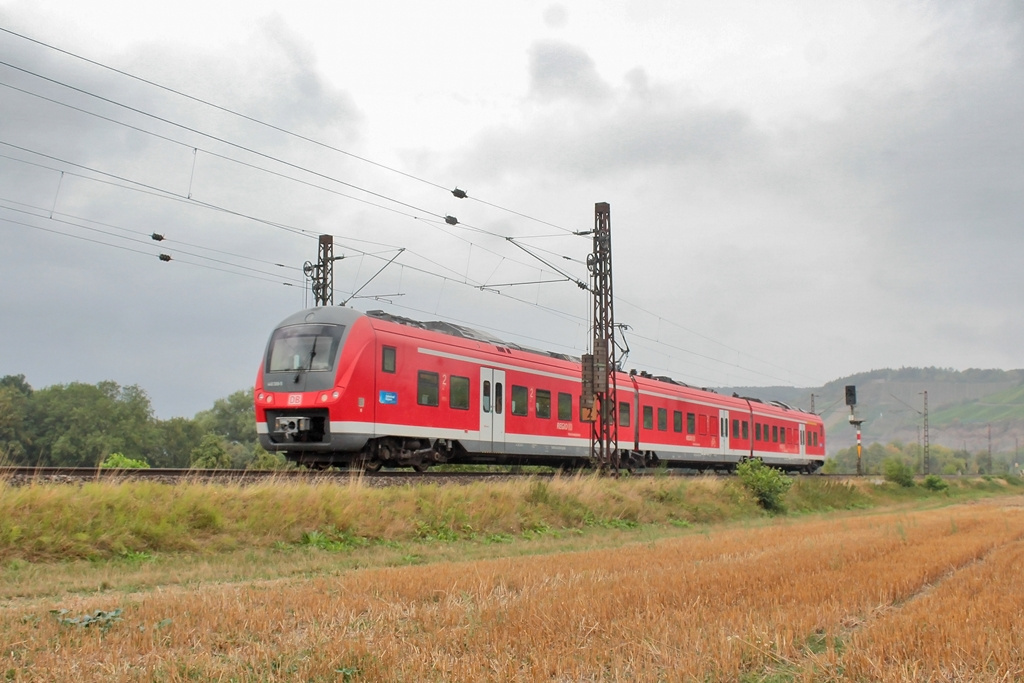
{"x":492,"y":410}
{"x":803,"y":439}
{"x":723,"y":429}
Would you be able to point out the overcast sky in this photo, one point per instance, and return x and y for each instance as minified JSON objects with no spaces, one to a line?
{"x":799,"y":190}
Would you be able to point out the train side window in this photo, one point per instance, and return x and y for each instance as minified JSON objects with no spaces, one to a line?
{"x":815,"y":439}
{"x":499,"y":398}
{"x":648,"y":417}
{"x":691,"y":423}
{"x":542,"y":404}
{"x":623,"y":414}
{"x":724,"y":424}
{"x":519,"y":399}
{"x":775,"y":434}
{"x":735,"y":428}
{"x":746,"y":430}
{"x":564,"y":406}
{"x":458,"y":397}
{"x":426,"y":388}
{"x":662,"y":419}
{"x":782,"y":434}
{"x":677,"y":420}
{"x":387,"y":358}
{"x":485,"y":400}
{"x":757,"y":431}
{"x":801,"y":438}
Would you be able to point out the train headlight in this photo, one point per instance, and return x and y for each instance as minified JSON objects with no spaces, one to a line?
{"x":323,"y":398}
{"x":335,"y":395}
{"x":270,"y":398}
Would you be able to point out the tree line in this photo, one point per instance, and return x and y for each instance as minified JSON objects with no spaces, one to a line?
{"x":81,"y":425}
{"x":941,"y":460}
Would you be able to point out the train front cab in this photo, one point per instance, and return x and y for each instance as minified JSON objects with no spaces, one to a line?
{"x":302,"y":404}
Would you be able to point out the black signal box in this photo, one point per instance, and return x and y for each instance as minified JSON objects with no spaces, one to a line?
{"x":851,"y":395}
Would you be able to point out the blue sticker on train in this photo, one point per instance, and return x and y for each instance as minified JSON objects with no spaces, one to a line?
{"x":389,"y":398}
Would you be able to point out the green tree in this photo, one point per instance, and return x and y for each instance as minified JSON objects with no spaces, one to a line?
{"x":211,"y":454}
{"x":179,"y":436}
{"x":80,"y":424}
{"x":233,"y":418}
{"x":14,"y":405}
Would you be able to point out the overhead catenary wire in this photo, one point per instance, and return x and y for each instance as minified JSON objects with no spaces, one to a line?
{"x":439,"y":216}
{"x":461,"y":194}
{"x":446,"y":219}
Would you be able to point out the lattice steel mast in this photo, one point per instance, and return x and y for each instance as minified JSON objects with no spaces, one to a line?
{"x":604,"y":433}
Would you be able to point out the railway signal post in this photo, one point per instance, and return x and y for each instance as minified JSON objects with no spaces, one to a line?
{"x":851,"y":400}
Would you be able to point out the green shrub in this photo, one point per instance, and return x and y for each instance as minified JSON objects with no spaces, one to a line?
{"x":934,"y":482}
{"x":898,"y":472}
{"x":119,"y":461}
{"x":767,"y":484}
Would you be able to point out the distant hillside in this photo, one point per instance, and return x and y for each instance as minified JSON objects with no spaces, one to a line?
{"x":961,"y":406}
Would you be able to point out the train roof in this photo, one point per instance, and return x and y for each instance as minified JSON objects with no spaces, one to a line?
{"x":464,"y":332}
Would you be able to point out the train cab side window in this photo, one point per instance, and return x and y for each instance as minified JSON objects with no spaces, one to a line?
{"x":387,"y":359}
{"x":677,"y":421}
{"x":426,"y":388}
{"x":648,"y":417}
{"x":458,"y":398}
{"x":746,"y":430}
{"x":815,"y":434}
{"x":519,"y":399}
{"x":485,"y":400}
{"x":662,"y":419}
{"x":542,"y":404}
{"x":691,"y":423}
{"x":623,"y":414}
{"x":564,"y":406}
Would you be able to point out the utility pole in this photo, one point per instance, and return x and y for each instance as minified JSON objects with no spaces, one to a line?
{"x":599,"y":399}
{"x":927,"y":453}
{"x":812,"y":404}
{"x":988,"y":463}
{"x":322,"y":274}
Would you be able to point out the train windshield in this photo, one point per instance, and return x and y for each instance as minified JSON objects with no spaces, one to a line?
{"x":310,"y":348}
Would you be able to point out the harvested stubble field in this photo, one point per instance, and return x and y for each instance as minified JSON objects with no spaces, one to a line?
{"x":919,"y":593}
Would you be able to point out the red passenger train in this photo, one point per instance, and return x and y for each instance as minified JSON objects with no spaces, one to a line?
{"x":342,"y":388}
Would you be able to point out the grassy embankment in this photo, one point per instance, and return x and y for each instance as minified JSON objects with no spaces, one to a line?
{"x":104,"y":535}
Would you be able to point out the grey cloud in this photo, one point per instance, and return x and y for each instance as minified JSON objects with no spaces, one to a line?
{"x":559,"y":71}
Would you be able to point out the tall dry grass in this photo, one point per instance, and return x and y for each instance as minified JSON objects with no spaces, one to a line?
{"x":867,"y":597}
{"x":106,"y":519}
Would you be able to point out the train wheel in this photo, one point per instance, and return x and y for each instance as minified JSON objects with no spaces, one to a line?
{"x":421,"y":467}
{"x":372,"y":465}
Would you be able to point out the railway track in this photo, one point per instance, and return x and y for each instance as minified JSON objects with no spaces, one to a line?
{"x":28,"y":475}
{"x":19,"y":476}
